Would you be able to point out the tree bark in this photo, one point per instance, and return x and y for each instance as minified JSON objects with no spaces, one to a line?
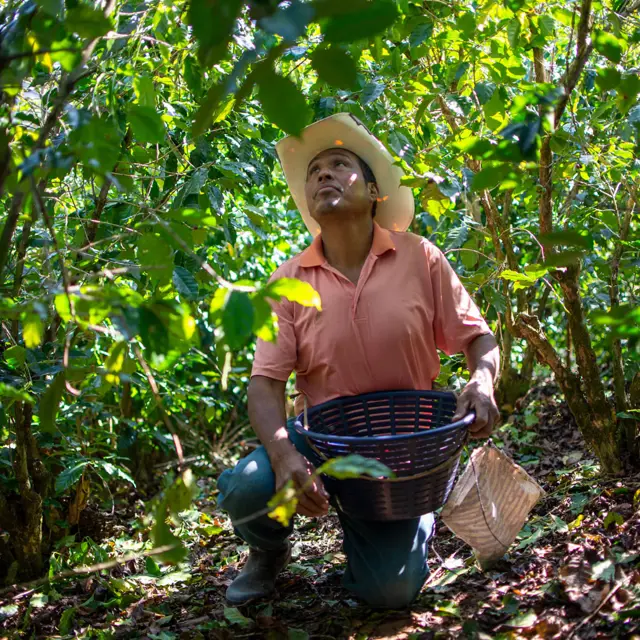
{"x":601,"y":440}
{"x":28,"y":546}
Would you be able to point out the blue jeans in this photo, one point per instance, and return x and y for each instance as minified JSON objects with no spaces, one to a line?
{"x":386,"y":561}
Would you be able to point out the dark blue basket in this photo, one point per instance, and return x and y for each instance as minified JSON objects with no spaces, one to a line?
{"x":408,"y":431}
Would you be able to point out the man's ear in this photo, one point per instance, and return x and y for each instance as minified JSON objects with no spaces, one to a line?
{"x":374,"y":192}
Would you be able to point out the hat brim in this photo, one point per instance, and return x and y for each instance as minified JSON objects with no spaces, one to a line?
{"x":395,"y":204}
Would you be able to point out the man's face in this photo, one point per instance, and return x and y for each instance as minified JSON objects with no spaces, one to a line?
{"x":335,"y":184}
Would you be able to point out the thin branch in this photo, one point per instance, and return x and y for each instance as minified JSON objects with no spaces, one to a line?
{"x":39,"y":52}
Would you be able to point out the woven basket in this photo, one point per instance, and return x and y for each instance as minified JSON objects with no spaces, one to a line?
{"x":408,"y":431}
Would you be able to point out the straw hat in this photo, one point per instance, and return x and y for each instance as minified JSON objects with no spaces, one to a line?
{"x":343,"y":130}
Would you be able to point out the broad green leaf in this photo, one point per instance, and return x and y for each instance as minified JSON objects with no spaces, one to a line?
{"x":155,"y":256}
{"x":185,"y":283}
{"x":32,"y":330}
{"x":13,"y":394}
{"x":489,"y":177}
{"x":181,"y":493}
{"x":234,"y":616}
{"x":282,"y":101}
{"x":608,"y":78}
{"x":50,"y":403}
{"x":567,"y":238}
{"x":363,"y":21}
{"x":66,"y":620}
{"x":295,"y":291}
{"x":15,"y":356}
{"x":372,"y":91}
{"x":87,"y":21}
{"x":161,"y":536}
{"x":70,"y":475}
{"x":237,"y":319}
{"x":284,"y":503}
{"x":146,"y":124}
{"x":523,"y":620}
{"x":212,"y":22}
{"x":115,"y":359}
{"x":354,"y":466}
{"x":513,"y":32}
{"x":608,"y":45}
{"x":109,"y":471}
{"x":145,"y":91}
{"x":207,"y":110}
{"x":54,"y":8}
{"x":335,"y":67}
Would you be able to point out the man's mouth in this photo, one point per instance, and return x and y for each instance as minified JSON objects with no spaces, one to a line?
{"x":326,"y":189}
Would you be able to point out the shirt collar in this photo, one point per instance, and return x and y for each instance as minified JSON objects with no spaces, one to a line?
{"x":313,"y":255}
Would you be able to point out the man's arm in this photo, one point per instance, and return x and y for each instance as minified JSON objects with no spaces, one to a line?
{"x":483,"y":361}
{"x":268,"y":419}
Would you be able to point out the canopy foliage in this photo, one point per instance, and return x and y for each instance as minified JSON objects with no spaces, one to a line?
{"x":143,"y":210}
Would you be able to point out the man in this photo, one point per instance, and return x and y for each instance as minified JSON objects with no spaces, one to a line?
{"x":389,"y":299}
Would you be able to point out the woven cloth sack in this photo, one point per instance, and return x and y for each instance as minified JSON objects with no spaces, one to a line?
{"x":490,"y":503}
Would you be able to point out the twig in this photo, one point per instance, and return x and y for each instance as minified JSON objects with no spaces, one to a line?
{"x":70,"y":573}
{"x":598,"y":609}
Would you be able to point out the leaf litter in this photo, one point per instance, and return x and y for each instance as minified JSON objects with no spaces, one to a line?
{"x":573,"y":572}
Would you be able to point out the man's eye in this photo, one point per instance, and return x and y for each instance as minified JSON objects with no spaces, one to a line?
{"x":341,"y":162}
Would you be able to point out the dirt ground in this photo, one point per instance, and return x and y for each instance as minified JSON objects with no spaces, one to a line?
{"x":572,"y":573}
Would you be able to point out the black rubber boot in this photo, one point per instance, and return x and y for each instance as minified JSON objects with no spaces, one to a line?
{"x":258,"y":576}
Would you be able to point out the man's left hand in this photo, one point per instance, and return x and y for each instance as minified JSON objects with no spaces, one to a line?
{"x":478,"y":397}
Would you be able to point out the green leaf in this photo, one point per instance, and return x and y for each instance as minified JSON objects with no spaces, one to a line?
{"x":335,"y":67}
{"x":70,"y":475}
{"x":152,"y":567}
{"x":32,"y":330}
{"x":155,"y":256}
{"x":568,"y":238}
{"x":66,"y":620}
{"x":161,"y":536}
{"x":489,"y":177}
{"x":608,"y":78}
{"x":15,"y":356}
{"x":145,"y":91}
{"x":146,"y":123}
{"x":612,"y":518}
{"x":360,"y":21}
{"x":372,"y":91}
{"x":608,"y":45}
{"x":237,"y":319}
{"x":206,"y":111}
{"x":16,"y":395}
{"x":513,"y":32}
{"x":523,"y":620}
{"x":212,"y":22}
{"x":235,"y":617}
{"x":295,"y":291}
{"x":115,"y":359}
{"x":108,"y":471}
{"x":282,"y":101}
{"x":547,"y":25}
{"x":87,"y":22}
{"x":50,"y":402}
{"x":185,"y":283}
{"x":284,"y":503}
{"x":354,"y":466}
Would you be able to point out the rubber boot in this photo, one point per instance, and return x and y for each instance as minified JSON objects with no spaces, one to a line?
{"x":258,"y":576}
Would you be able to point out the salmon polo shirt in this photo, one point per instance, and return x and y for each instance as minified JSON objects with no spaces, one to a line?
{"x":379,"y":335}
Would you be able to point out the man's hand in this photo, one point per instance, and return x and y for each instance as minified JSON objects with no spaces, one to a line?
{"x":478,"y":396}
{"x":314,"y":501}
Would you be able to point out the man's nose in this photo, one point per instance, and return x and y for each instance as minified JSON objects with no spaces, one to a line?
{"x":325,"y":174}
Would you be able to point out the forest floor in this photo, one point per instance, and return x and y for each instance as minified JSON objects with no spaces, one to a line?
{"x":574,"y":571}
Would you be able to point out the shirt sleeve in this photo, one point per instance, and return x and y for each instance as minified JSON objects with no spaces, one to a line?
{"x":278,"y":359}
{"x":457,"y":319}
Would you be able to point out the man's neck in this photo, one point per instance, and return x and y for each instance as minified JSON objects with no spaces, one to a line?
{"x":347,"y":245}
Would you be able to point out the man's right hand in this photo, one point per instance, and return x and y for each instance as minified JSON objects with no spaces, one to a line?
{"x":292,"y":465}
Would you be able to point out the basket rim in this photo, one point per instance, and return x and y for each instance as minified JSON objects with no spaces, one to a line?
{"x":462,"y":423}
